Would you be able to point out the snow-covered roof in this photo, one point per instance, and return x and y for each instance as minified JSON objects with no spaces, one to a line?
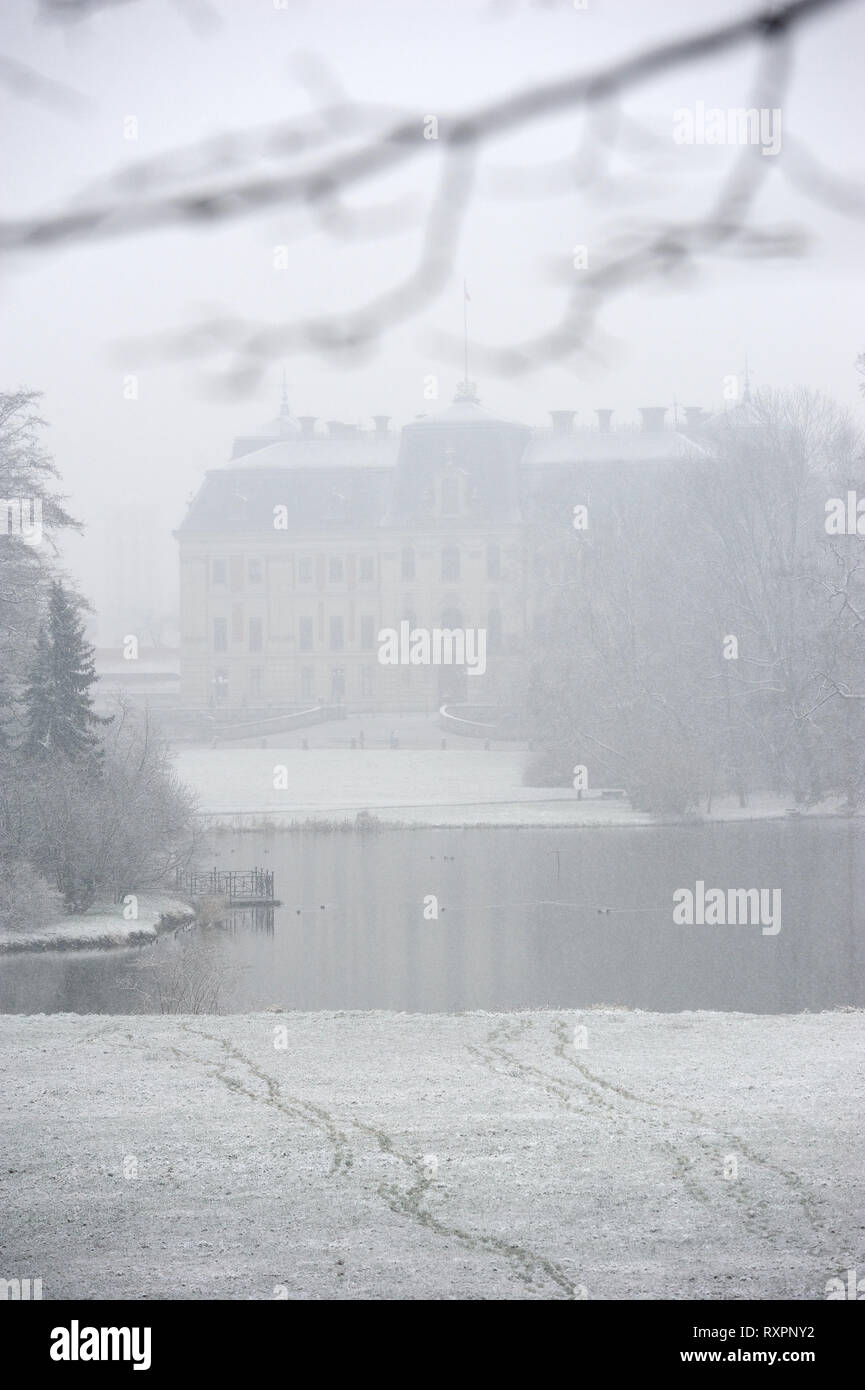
{"x":322,"y":451}
{"x":547,"y":447}
{"x":460,"y":412}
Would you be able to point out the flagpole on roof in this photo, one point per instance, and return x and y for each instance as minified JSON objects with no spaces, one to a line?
{"x":466,"y":333}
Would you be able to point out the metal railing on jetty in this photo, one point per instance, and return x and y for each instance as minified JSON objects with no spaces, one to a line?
{"x":248,"y":887}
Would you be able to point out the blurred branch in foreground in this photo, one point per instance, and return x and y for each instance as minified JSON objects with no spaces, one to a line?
{"x":345,"y":145}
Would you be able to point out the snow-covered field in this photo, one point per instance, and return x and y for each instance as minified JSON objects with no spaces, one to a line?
{"x":711,"y":1156}
{"x":236,"y":786}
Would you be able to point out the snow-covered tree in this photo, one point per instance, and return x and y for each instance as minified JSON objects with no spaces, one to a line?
{"x":57,"y":697}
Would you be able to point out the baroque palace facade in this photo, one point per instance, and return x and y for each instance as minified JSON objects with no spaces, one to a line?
{"x":312,"y":539}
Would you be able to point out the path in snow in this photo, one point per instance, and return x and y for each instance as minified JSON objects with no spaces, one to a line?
{"x":433,"y":1156}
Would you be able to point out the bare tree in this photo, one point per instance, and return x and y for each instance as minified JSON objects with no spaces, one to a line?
{"x":345,"y":146}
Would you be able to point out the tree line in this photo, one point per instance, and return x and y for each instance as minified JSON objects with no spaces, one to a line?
{"x":90,"y":807}
{"x":704,"y":633}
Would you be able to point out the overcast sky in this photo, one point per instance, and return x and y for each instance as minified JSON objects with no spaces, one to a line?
{"x":71,"y":315}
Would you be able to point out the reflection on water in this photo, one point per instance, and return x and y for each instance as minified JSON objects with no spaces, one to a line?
{"x":251,"y":918}
{"x":526,"y":919}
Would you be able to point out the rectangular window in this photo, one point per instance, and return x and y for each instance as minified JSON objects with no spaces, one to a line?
{"x":217,"y":571}
{"x":305,"y":634}
{"x":255,"y":635}
{"x":334,"y":570}
{"x":337,"y":637}
{"x":367,"y":569}
{"x":450,"y":563}
{"x":254,"y":571}
{"x":304,"y":571}
{"x":306,"y":682}
{"x":220,"y":635}
{"x":367,"y":633}
{"x":236,"y":623}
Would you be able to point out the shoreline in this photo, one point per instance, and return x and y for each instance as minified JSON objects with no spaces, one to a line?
{"x":286,"y":788}
{"x":103,"y":930}
{"x":343,"y":819}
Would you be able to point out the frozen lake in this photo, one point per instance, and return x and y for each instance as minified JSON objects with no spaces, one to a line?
{"x":527,"y":919}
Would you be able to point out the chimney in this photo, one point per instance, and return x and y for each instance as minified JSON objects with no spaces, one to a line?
{"x":381,"y":423}
{"x":307,"y":425}
{"x":563,"y":421}
{"x":653,"y":418}
{"x":604,"y":418}
{"x":694,"y":415}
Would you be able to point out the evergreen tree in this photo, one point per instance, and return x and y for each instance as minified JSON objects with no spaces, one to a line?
{"x":28,"y":474}
{"x":57,"y":699}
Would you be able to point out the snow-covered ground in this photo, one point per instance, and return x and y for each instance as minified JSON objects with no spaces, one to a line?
{"x":711,"y":1156}
{"x":432,"y":787}
{"x":102,"y":926}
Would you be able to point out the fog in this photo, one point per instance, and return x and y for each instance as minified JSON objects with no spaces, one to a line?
{"x":432,"y":776}
{"x":80,"y":319}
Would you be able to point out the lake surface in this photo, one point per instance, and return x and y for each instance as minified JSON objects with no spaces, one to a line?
{"x":527,"y":919}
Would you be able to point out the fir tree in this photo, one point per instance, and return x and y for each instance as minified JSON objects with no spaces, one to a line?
{"x":57,"y":699}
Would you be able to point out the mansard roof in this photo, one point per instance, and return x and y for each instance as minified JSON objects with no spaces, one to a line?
{"x":483,"y":448}
{"x":548,"y":448}
{"x":350,"y":479}
{"x":317,"y":452}
{"x":242,"y":501}
{"x":463,"y":410}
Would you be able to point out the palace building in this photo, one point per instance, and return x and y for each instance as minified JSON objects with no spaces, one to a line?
{"x":315,"y":537}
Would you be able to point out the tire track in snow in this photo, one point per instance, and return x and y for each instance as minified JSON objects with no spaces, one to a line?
{"x":401,"y":1201}
{"x":795,"y":1185}
{"x":564,"y":1093}
{"x":294,"y":1107}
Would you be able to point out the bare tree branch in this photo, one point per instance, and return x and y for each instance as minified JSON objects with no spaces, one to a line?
{"x":347,"y":147}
